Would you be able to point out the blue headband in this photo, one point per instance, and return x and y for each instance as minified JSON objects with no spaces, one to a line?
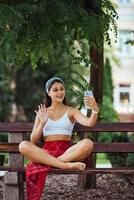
{"x":50,"y":81}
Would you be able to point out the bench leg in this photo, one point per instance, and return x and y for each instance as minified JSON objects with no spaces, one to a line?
{"x":88,"y":181}
{"x":91,"y":178}
{"x":21,"y":176}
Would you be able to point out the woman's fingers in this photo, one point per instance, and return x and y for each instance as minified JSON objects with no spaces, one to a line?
{"x":89,"y":101}
{"x":39,"y":107}
{"x":42,"y":108}
{"x":36,"y":111}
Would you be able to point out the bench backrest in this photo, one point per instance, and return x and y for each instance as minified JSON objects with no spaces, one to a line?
{"x":17,"y":131}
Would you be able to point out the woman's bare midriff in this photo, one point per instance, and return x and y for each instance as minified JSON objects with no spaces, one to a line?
{"x":57,"y":137}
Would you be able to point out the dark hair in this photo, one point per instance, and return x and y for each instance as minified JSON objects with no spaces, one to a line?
{"x":48,"y":100}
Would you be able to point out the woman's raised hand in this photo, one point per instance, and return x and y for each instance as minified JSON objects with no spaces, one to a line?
{"x":91,"y":102}
{"x":42,"y":113}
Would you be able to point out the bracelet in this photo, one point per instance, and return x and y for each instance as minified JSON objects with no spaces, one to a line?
{"x":95,"y":112}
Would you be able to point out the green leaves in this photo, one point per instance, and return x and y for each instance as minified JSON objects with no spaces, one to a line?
{"x":6,"y":93}
{"x":75,"y":84}
{"x":29,"y":27}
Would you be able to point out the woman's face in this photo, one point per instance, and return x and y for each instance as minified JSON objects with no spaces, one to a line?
{"x":57,"y":92}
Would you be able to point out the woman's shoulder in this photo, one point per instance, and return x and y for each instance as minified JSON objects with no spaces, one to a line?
{"x":72,"y":110}
{"x":73,"y":114}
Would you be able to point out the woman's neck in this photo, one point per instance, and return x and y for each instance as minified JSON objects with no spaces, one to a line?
{"x":57,"y":106}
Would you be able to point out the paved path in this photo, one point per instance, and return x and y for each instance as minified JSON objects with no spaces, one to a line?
{"x":64,"y":187}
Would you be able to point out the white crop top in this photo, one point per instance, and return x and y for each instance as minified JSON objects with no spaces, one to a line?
{"x":60,"y":126}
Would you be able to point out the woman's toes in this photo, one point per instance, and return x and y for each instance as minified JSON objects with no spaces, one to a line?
{"x":83,"y":166}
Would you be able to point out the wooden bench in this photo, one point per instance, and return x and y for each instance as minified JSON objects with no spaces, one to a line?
{"x":14,"y":178}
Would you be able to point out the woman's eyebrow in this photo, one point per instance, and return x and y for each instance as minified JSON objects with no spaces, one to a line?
{"x":58,"y":87}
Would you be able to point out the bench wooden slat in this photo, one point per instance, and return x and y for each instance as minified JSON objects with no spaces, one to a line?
{"x":98,"y":147}
{"x":86,"y":171}
{"x":96,"y":171}
{"x":107,"y":127}
{"x":114,"y":147}
{"x":16,"y":127}
{"x":99,"y":127}
{"x":9,"y":147}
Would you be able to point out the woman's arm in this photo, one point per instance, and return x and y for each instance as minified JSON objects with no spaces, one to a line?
{"x":40,"y":120}
{"x":37,"y":131}
{"x":84,"y":120}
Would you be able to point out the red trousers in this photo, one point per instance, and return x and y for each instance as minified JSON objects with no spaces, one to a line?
{"x":36,"y":173}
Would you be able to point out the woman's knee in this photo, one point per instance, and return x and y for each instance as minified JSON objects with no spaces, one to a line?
{"x":87,"y":145}
{"x":24,"y":147}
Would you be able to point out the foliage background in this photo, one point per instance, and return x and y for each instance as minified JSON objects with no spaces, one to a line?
{"x":48,"y":36}
{"x":32,"y":29}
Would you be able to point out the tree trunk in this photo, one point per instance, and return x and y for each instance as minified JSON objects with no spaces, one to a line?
{"x":96,"y":73}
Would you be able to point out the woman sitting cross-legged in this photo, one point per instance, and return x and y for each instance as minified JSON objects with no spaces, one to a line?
{"x":55,"y":120}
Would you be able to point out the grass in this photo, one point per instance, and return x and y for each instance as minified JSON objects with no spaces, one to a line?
{"x":101,"y":158}
{"x":26,"y":161}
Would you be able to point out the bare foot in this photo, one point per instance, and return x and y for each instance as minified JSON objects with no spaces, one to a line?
{"x":76,"y":165}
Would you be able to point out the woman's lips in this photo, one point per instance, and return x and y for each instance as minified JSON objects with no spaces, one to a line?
{"x":59,"y":97}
